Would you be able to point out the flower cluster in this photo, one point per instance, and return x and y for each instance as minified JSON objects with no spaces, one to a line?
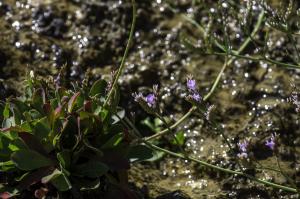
{"x":193,"y":96}
{"x":148,"y":103}
{"x":243,"y":149}
{"x":270,"y":143}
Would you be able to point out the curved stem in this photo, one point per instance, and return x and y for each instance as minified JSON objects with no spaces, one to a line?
{"x":271,"y":184}
{"x":290,"y":180}
{"x":170,"y":130}
{"x":122,"y":65}
{"x":252,"y":58}
{"x":240,"y":173}
{"x":183,"y":118}
{"x":216,"y":82}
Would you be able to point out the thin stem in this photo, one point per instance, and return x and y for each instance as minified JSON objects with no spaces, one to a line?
{"x":183,"y":118}
{"x":170,"y":130}
{"x":217,"y":80}
{"x":199,"y":27}
{"x":122,"y":65}
{"x":291,"y":181}
{"x":256,"y":28}
{"x":256,"y":59}
{"x":261,"y":167}
{"x":275,"y":185}
{"x":221,"y":132}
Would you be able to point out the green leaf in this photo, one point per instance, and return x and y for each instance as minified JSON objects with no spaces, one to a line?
{"x":139,"y":153}
{"x":149,"y":124}
{"x":88,"y":145}
{"x":72,"y":102}
{"x":104,"y":113}
{"x":17,"y":116}
{"x":61,"y":182}
{"x":29,"y":160}
{"x":86,"y":185}
{"x":115,"y":99}
{"x":179,"y":138}
{"x":51,"y":176}
{"x":154,"y":126}
{"x":98,"y":88}
{"x":9,"y":122}
{"x":21,"y":106}
{"x":5,"y":152}
{"x":92,"y":169}
{"x":38,"y":100}
{"x":7,"y":166}
{"x":42,"y":128}
{"x":113,"y":142}
{"x":6,"y":111}
{"x":33,"y":177}
{"x":32,"y":115}
{"x":32,"y":142}
{"x":119,"y":115}
{"x":64,"y":158}
{"x":158,"y":122}
{"x":17,"y":144}
{"x":157,"y":155}
{"x":20,"y":178}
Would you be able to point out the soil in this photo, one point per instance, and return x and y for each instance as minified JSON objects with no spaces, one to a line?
{"x":250,"y":102}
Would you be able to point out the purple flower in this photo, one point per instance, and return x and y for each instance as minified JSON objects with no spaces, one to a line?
{"x":151,"y":100}
{"x":147,"y":103}
{"x":243,"y":149}
{"x":137,"y":96}
{"x":271,"y":143}
{"x":196,"y":97}
{"x":191,"y":84}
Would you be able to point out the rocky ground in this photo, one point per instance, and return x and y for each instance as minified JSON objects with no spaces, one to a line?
{"x":251,"y":101}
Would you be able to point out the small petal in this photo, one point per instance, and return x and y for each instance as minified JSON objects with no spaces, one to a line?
{"x":196,"y":97}
{"x":243,"y":149}
{"x":271,"y":143}
{"x":191,"y":84}
{"x":243,"y":146}
{"x":151,"y":99}
{"x":137,"y":96}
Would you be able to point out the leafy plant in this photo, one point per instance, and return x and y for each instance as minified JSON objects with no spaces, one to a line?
{"x":64,"y":137}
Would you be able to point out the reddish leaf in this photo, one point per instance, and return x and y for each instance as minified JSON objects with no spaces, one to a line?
{"x":5,"y":195}
{"x":72,"y":102}
{"x":57,"y":112}
{"x":13,"y":128}
{"x":88,"y":106}
{"x":34,"y":177}
{"x":47,"y":108}
{"x":32,"y":142}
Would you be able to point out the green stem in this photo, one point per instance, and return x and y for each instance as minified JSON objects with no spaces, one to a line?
{"x":183,"y":118}
{"x":152,"y":146}
{"x":223,"y":135}
{"x":291,"y":181}
{"x":174,"y":136}
{"x":201,"y":29}
{"x":216,"y":82}
{"x":256,"y":59}
{"x":271,"y":184}
{"x":122,"y":65}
